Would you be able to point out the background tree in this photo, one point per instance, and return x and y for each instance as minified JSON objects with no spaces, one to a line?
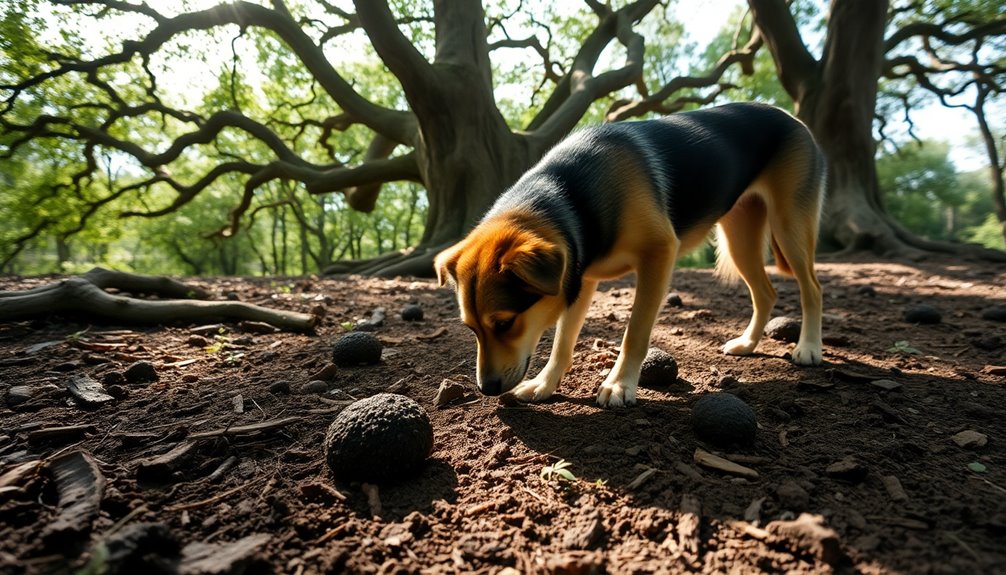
{"x":434,"y":110}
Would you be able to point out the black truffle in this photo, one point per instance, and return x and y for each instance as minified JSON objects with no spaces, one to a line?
{"x":659,"y":369}
{"x":724,"y":419}
{"x":356,"y":348}
{"x":412,"y":312}
{"x":381,"y":438}
{"x":924,"y":314}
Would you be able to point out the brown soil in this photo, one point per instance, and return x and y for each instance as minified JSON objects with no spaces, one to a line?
{"x":480,"y":505}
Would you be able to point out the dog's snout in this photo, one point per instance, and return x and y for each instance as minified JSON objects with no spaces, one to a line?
{"x":492,"y":386}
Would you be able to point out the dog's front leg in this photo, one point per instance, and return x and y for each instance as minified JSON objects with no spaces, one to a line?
{"x":652,"y":282}
{"x":568,"y":330}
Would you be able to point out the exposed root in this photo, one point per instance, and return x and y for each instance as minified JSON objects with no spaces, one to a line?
{"x":416,"y":262}
{"x":85,"y":295}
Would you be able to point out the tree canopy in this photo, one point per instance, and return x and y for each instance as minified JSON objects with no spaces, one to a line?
{"x":310,"y":115}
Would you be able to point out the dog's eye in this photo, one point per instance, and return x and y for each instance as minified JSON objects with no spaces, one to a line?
{"x":502,"y":326}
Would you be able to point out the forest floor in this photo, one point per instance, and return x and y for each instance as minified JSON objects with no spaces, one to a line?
{"x":858,"y":463}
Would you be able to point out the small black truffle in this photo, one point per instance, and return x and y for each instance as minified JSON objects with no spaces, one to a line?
{"x":924,"y":314}
{"x":724,"y":419}
{"x":659,"y":369}
{"x":356,"y":348}
{"x":412,"y":312}
{"x":381,"y":438}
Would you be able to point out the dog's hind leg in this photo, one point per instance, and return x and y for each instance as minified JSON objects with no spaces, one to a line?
{"x":653,"y":279}
{"x":742,"y":244}
{"x":796,"y":235}
{"x":568,"y":330}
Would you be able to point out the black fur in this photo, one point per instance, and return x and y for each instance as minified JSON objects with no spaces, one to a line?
{"x":697,"y":164}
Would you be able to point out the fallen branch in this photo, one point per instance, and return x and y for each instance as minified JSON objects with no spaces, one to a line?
{"x":86,"y":295}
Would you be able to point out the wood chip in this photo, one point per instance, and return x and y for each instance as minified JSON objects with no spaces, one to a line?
{"x":689,"y":526}
{"x":87,"y":391}
{"x":59,"y":435}
{"x":851,"y":376}
{"x":81,"y":486}
{"x":434,"y":334}
{"x":163,"y":468}
{"x":373,"y":498}
{"x":641,"y":478}
{"x":753,"y":511}
{"x":706,"y":459}
{"x":235,"y":557}
{"x":905,"y":522}
{"x":886,"y":384}
{"x":245,"y":429}
{"x":995,"y":369}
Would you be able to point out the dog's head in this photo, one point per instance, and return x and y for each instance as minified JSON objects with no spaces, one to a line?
{"x":509,"y":281}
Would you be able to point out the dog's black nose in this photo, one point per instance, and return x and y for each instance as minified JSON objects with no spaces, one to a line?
{"x":492,"y":386}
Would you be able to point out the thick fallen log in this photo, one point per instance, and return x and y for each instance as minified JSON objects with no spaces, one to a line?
{"x":86,"y":295}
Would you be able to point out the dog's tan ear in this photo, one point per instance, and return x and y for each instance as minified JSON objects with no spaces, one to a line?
{"x":539,"y":263}
{"x":446,"y":264}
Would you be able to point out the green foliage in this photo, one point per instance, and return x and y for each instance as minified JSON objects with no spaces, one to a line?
{"x":558,"y":472}
{"x":904,"y":347}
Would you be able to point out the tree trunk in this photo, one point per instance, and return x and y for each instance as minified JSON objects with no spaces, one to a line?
{"x":838,"y":105}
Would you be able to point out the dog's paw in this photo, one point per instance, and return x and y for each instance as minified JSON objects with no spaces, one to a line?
{"x":739,"y":346}
{"x":807,"y":354}
{"x":616,"y":394}
{"x":534,"y":390}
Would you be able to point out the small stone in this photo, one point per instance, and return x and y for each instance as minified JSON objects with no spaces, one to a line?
{"x":314,"y":387}
{"x":376,"y":320}
{"x":970,"y":438}
{"x":867,"y":290}
{"x":412,"y":312}
{"x":18,"y":394}
{"x":886,"y":384}
{"x":356,"y":348}
{"x":117,"y":391}
{"x":847,"y":469}
{"x":326,"y":373}
{"x":659,"y":369}
{"x":724,"y":419}
{"x":197,"y":341}
{"x":996,"y":313}
{"x":924,"y":314}
{"x":674,"y":300}
{"x":783,"y":328}
{"x":113,"y":378}
{"x":141,"y":372}
{"x":449,"y":391}
{"x":380,"y":438}
{"x":233,"y":296}
{"x":792,"y":496}
{"x":279,"y":387}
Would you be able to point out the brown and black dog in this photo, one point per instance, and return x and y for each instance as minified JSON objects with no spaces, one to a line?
{"x":635,"y":196}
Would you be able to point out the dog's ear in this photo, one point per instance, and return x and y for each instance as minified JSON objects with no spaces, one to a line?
{"x":539,"y":263}
{"x":446,"y":264}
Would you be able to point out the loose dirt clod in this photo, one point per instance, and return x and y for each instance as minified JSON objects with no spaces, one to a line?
{"x":783,"y":328}
{"x":380,"y":438}
{"x":724,"y":419}
{"x":356,"y":348}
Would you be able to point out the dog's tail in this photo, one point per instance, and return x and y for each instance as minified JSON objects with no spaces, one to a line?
{"x":780,"y":259}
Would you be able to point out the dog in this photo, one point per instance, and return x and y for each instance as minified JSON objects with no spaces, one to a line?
{"x":634,"y":196}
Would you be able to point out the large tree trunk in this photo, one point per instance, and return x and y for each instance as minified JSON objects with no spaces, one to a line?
{"x":838,"y":105}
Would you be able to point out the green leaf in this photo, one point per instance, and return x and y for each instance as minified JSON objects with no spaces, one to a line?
{"x":977,"y":467}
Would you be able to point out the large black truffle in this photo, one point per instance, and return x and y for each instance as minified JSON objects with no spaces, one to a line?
{"x":356,"y":348}
{"x":724,"y":419}
{"x":381,"y":438}
{"x":659,"y":369}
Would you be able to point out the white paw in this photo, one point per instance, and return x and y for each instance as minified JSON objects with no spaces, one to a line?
{"x":534,"y":390}
{"x":807,"y":354}
{"x":616,"y":394}
{"x":739,"y":346}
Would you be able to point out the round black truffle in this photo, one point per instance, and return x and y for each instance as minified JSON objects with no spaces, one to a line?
{"x":356,"y":348}
{"x":724,"y":420}
{"x":659,"y":369}
{"x":924,"y":314}
{"x":381,"y":438}
{"x":412,"y":312}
